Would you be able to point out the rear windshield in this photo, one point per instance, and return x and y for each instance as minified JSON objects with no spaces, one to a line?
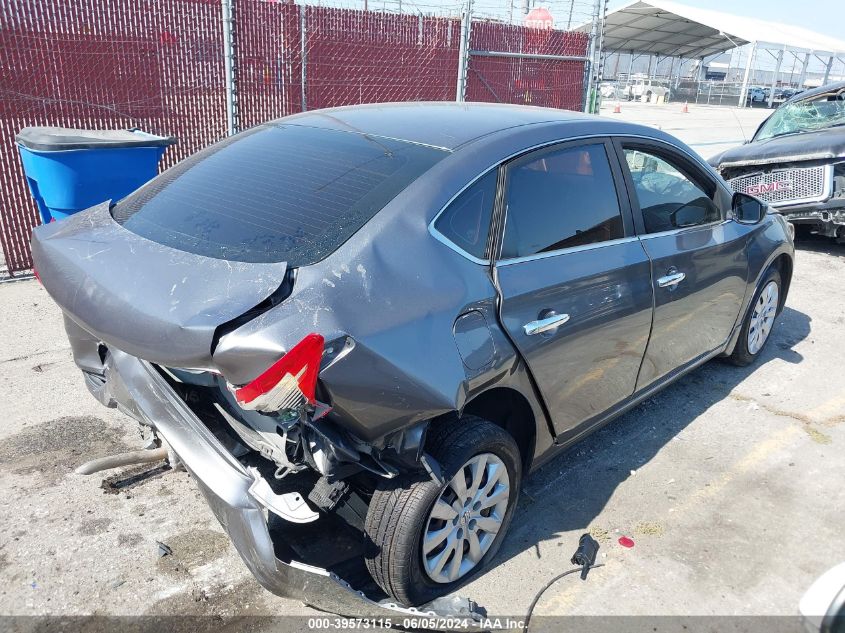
{"x":277,"y":193}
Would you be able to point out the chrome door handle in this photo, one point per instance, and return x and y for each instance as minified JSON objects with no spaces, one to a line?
{"x":672,"y":280}
{"x":544,"y":325}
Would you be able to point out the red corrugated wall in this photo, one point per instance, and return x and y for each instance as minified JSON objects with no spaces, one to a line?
{"x":159,"y":66}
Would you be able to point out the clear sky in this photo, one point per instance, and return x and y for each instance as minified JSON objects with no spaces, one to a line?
{"x":823,"y":16}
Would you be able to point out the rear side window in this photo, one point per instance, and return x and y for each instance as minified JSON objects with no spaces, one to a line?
{"x":466,"y":222}
{"x":561,"y":199}
{"x":278,"y":193}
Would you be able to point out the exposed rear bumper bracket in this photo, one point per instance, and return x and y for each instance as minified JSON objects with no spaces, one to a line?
{"x":239,"y":504}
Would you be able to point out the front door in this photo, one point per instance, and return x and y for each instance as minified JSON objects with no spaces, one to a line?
{"x":698,"y":258}
{"x":574,"y":281}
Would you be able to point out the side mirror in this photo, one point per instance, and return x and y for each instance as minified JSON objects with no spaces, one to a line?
{"x":748,"y":209}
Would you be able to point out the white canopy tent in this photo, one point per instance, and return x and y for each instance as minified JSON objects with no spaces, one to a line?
{"x":670,"y":30}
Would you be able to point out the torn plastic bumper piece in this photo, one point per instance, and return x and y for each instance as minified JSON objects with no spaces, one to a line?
{"x":289,"y":505}
{"x":240,"y":504}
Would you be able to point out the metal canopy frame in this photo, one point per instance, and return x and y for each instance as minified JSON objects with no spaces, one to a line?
{"x":664,"y":29}
{"x":645,"y":28}
{"x":661,"y":27}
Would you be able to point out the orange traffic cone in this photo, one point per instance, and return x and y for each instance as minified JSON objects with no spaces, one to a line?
{"x":686,"y":108}
{"x":617,"y":109}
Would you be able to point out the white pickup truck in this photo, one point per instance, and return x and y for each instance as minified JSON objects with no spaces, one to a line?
{"x":646,"y":90}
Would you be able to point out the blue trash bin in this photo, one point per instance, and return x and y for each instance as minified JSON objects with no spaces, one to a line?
{"x":71,"y":170}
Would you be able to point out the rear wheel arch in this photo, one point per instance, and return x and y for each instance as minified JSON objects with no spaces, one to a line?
{"x":510,"y":410}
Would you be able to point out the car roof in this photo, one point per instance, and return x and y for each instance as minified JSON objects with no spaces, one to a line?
{"x":442,"y":124}
{"x":809,"y":94}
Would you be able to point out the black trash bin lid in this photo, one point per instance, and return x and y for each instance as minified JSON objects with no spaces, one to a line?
{"x":48,"y":139}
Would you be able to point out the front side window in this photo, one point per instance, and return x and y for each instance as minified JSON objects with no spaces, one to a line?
{"x":668,"y":198}
{"x":562,"y":199}
{"x":466,"y":221}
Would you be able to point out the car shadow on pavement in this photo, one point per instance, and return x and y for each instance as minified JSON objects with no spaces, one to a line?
{"x":570,"y":491}
{"x":818,"y":244}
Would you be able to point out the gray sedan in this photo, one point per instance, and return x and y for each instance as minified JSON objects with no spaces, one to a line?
{"x":360,"y":328}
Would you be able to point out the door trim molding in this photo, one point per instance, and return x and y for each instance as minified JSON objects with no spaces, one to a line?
{"x":566,"y":251}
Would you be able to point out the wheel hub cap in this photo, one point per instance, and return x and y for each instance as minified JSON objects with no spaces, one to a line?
{"x":763,"y":317}
{"x":466,"y":518}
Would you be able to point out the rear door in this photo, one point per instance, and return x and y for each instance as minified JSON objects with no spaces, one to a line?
{"x":575,"y":282}
{"x":698,"y":257}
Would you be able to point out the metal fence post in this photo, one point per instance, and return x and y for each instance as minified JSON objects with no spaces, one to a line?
{"x":303,"y":55}
{"x":229,"y":68}
{"x":827,"y":68}
{"x":803,"y":76}
{"x":602,"y":23}
{"x":744,"y":90}
{"x":463,"y":53}
{"x":594,"y":48}
{"x":775,"y":77}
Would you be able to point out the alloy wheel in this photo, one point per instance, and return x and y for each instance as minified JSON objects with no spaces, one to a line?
{"x":465,"y":519}
{"x":763,"y":317}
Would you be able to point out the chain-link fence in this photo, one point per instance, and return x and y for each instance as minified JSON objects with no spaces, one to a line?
{"x":511,"y":64}
{"x":664,"y":90}
{"x":94,"y":64}
{"x":728,"y":93}
{"x":202,"y":69}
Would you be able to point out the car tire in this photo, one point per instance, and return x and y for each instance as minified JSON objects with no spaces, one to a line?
{"x":402,"y":519}
{"x":759,"y":321}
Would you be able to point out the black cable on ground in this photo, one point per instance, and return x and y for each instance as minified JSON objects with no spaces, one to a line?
{"x":545,"y":587}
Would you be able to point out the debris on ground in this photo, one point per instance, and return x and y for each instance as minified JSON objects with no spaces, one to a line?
{"x":624,"y":541}
{"x":163,"y":550}
{"x":599,"y":533}
{"x":199,"y":595}
{"x":649,"y":528}
{"x":131,"y":477}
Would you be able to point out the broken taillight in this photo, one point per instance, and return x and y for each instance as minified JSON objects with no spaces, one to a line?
{"x":288,"y":383}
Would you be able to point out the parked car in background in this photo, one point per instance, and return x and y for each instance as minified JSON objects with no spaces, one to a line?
{"x":608,"y":90}
{"x":647,"y":90}
{"x":779,"y":95}
{"x":376,"y":320}
{"x":796,"y":161}
{"x":755,"y":94}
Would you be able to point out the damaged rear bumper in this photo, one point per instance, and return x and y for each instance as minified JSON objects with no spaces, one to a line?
{"x":139,"y":390}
